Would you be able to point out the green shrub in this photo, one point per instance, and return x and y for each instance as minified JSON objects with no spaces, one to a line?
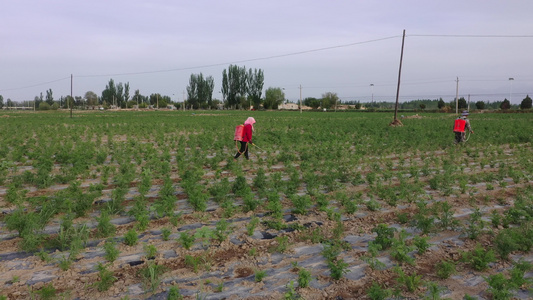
{"x":445,"y":269}
{"x":47,"y":292}
{"x":400,"y":250}
{"x":105,"y":228}
{"x":150,"y":251}
{"x":186,"y":239}
{"x":174,"y":293}
{"x":131,"y":238}
{"x":499,"y":287}
{"x":250,"y":227}
{"x":222,"y":230}
{"x":106,"y":278}
{"x":421,"y":244}
{"x":377,"y":292}
{"x":410,"y":282}
{"x":259,"y":275}
{"x":301,"y":203}
{"x":151,"y":276}
{"x":304,"y":278}
{"x":240,"y":186}
{"x":479,"y":258}
{"x":111,"y":252}
{"x":385,"y":235}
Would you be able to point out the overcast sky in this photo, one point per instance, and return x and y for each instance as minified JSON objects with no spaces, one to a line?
{"x":324,"y":46}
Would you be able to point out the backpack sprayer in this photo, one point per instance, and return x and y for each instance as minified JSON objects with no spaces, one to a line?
{"x":239,"y":135}
{"x":459,"y":126}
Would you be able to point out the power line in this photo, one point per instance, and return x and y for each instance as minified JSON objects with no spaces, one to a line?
{"x":245,"y":60}
{"x":471,"y":35}
{"x":34,"y":85}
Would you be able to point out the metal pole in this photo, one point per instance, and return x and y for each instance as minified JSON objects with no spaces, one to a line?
{"x":72,"y":99}
{"x":511,"y":91}
{"x":372,"y":85}
{"x":300,"y":98}
{"x":399,"y":77}
{"x":457,"y":97}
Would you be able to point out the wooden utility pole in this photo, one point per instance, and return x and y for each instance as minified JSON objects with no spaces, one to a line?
{"x":398,"y":88}
{"x":457,"y":97}
{"x":71,"y":99}
{"x":300,"y":98}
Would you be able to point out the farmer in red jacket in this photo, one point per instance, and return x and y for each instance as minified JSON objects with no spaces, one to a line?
{"x":460,"y":126}
{"x":246,"y":138}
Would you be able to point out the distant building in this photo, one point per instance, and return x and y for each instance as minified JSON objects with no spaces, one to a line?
{"x":292,"y":106}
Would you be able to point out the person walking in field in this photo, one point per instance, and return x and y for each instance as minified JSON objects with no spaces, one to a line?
{"x":244,"y":136}
{"x":460,"y":126}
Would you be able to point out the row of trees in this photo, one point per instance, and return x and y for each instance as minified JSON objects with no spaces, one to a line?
{"x":240,"y":88}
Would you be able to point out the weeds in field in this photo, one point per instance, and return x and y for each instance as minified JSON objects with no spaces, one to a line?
{"x":434,"y":291}
{"x":186,"y":239}
{"x":410,"y":282}
{"x":377,"y":292}
{"x":385,"y":236}
{"x":479,"y":258}
{"x":106,"y":278}
{"x":111,"y":252}
{"x":499,"y":286}
{"x":421,"y":243}
{"x":44,"y":256}
{"x":259,"y":275}
{"x":475,"y":225}
{"x":423,"y":219}
{"x":250,"y":227}
{"x":131,"y":237}
{"x":444,"y":213}
{"x":204,"y":235}
{"x":283,"y":244}
{"x":165,"y":234}
{"x":140,"y":213}
{"x":445,"y":269}
{"x":105,"y":228}
{"x":222,"y":230}
{"x":304,"y":278}
{"x":249,"y":201}
{"x":174,"y":293}
{"x":150,"y":251}
{"x":220,"y":190}
{"x":336,"y":266}
{"x":400,"y":250}
{"x":151,"y":276}
{"x":371,"y":257}
{"x":373,"y":205}
{"x":47,"y":292}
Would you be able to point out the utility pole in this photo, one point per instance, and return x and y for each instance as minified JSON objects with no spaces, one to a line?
{"x":183,"y":100}
{"x":468,"y":102}
{"x":71,"y":98}
{"x":300,"y":98}
{"x":457,"y":97}
{"x":372,"y":86}
{"x":399,"y":77}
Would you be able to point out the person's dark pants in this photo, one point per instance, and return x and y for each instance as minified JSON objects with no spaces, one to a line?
{"x":244,"y":149}
{"x":459,"y":137}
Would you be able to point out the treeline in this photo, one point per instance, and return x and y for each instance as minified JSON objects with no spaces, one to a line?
{"x":440,"y":104}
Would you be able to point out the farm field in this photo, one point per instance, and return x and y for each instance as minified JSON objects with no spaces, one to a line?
{"x":152,"y":205}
